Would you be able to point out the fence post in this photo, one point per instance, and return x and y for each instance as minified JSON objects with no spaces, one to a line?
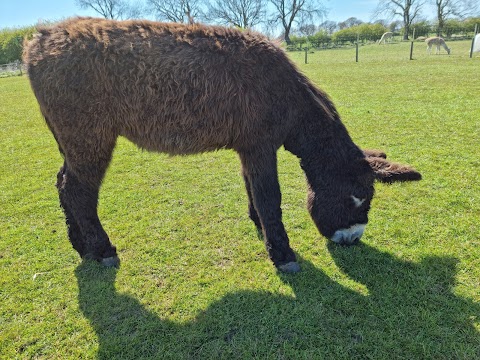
{"x":473,"y":40}
{"x":18,"y":63}
{"x":356,"y":47}
{"x":411,"y":45}
{"x":306,"y":55}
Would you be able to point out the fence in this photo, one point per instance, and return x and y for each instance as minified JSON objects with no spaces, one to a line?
{"x":12,"y":69}
{"x":351,"y":36}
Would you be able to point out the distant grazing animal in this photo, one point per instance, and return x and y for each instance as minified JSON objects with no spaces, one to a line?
{"x":476,"y":43}
{"x":437,"y":41}
{"x":185,"y":89}
{"x":386,"y":36}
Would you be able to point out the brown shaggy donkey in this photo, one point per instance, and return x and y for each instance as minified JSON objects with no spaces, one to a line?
{"x":184,"y":89}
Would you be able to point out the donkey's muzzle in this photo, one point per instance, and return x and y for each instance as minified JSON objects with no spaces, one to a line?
{"x":349,"y":236}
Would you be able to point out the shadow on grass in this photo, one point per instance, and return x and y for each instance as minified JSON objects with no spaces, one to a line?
{"x":405,"y":310}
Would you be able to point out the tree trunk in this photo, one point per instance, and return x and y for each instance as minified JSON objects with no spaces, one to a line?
{"x":287,"y":34}
{"x":407,"y":30}
{"x":287,"y":39}
{"x":441,"y":24}
{"x":406,"y":21}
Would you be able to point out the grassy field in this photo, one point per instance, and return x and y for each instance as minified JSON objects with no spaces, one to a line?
{"x":195,"y":280}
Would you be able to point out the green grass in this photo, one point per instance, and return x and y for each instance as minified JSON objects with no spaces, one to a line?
{"x":195,"y":280}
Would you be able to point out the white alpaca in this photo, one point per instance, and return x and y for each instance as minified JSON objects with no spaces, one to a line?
{"x":476,"y":44}
{"x":437,"y":41}
{"x":385,"y":37}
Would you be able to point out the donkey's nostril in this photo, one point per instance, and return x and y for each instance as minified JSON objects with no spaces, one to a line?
{"x":350,"y":241}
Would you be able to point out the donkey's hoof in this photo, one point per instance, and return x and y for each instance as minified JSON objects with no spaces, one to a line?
{"x":112,"y":261}
{"x":291,"y":267}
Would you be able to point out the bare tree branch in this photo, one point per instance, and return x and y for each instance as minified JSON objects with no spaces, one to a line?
{"x":112,"y":9}
{"x":409,"y":10}
{"x":448,"y":8}
{"x":181,"y":11}
{"x":288,"y":12}
{"x":239,"y":13}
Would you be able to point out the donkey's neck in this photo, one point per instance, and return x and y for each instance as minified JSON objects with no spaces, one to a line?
{"x":320,"y":140}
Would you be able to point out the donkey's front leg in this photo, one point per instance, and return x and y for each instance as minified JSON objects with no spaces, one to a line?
{"x":260,"y":172}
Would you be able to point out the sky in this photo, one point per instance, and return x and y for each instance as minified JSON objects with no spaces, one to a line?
{"x":29,"y":12}
{"x":342,"y":10}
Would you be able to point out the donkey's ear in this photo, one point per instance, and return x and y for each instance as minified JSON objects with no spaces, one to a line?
{"x":389,"y":172}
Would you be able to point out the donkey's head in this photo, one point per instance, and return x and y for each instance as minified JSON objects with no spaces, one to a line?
{"x":339,"y":201}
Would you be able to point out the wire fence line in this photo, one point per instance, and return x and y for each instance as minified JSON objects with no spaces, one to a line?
{"x":300,"y":43}
{"x":17,"y":68}
{"x":12,"y":69}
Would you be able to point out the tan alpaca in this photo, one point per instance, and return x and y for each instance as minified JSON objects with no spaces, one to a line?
{"x":437,"y":41}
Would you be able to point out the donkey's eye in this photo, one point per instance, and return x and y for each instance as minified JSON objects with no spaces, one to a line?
{"x":356,"y":201}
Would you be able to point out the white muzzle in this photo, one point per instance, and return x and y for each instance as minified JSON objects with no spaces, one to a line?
{"x":349,"y":236}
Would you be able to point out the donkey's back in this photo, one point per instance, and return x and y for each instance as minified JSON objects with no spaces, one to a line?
{"x":167,"y":87}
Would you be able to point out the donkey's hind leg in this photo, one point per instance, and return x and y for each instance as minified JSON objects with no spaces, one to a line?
{"x":78,"y":186}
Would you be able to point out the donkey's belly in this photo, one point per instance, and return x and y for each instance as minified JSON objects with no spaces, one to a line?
{"x":178,"y":142}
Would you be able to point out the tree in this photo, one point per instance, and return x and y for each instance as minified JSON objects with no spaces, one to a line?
{"x":288,"y":12}
{"x":453,"y":26}
{"x":181,"y":11}
{"x":407,"y":9}
{"x":240,"y":13}
{"x":371,"y":32}
{"x":422,"y":28}
{"x":345,"y":35}
{"x":382,"y":22}
{"x":307,"y":29}
{"x":111,"y":9}
{"x":447,"y":8}
{"x":395,"y":26}
{"x":470,"y":23}
{"x":11,"y":43}
{"x":319,"y":38}
{"x":364,"y":31}
{"x":350,"y":22}
{"x":328,"y":26}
